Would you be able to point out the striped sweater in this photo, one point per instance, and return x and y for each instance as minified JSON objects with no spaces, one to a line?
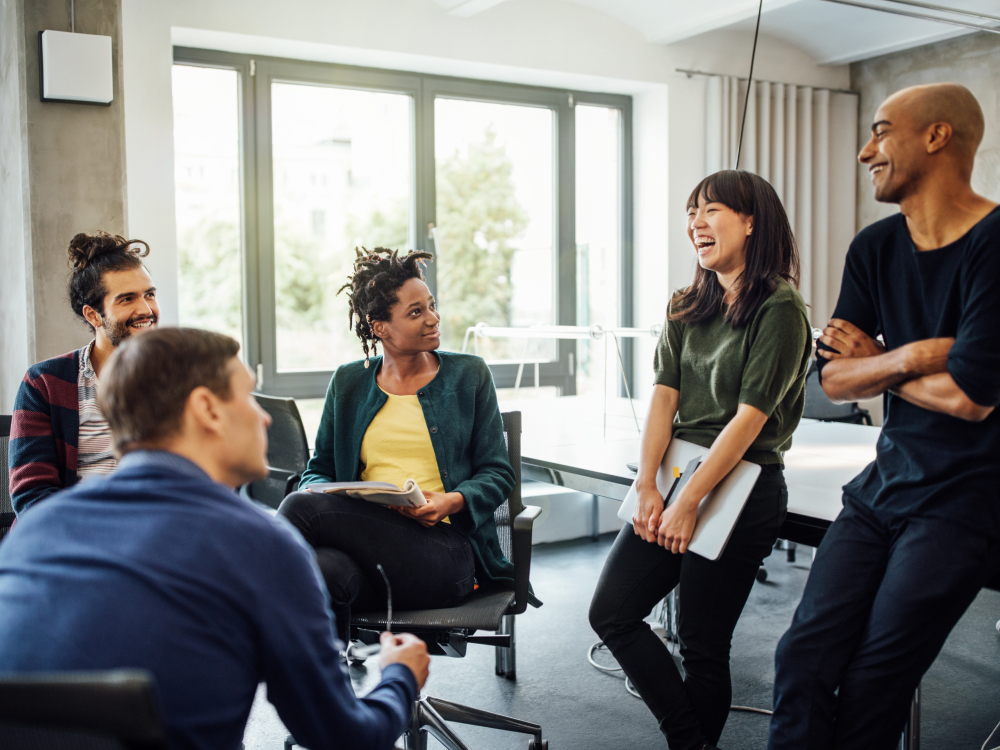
{"x":45,"y":431}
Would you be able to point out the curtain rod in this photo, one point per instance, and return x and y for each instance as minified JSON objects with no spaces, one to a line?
{"x":690,"y":73}
{"x":922,"y":16}
{"x":943,"y":9}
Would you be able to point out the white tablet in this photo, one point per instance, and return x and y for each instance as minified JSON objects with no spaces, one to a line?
{"x":719,"y":510}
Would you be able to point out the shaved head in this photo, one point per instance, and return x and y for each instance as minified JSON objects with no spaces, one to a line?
{"x":923,"y":133}
{"x":943,"y":102}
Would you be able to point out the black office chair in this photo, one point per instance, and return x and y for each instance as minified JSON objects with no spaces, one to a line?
{"x":287,"y":452}
{"x":6,"y":507}
{"x":116,"y":710}
{"x":819,"y":406}
{"x":448,"y":632}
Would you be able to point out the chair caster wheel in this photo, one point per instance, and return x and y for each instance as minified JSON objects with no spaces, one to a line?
{"x":353,"y":657}
{"x":762,"y":574}
{"x":543,"y":745}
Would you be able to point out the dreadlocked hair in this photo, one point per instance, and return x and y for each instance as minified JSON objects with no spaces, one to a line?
{"x":372,"y":288}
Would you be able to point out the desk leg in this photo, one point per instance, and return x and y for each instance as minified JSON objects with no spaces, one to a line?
{"x":595,"y":518}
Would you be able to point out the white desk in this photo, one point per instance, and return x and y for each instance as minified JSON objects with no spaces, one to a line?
{"x":568,"y":442}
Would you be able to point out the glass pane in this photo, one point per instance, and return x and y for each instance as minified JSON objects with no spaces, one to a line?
{"x":207,"y":180}
{"x":598,"y":243}
{"x":342,"y":179}
{"x":495,"y":216}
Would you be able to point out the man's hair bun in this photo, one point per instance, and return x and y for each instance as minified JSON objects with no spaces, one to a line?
{"x":84,"y":249}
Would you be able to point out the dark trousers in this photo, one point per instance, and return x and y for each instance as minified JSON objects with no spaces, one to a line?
{"x":882,"y":596}
{"x":427,"y":568}
{"x":691,"y":710}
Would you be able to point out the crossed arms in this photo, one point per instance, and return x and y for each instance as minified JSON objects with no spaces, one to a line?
{"x":859,"y":367}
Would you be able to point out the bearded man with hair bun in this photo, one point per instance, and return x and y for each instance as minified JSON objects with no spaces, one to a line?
{"x":58,"y":434}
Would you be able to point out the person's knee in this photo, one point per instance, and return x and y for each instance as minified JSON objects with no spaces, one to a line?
{"x":301,"y":507}
{"x":606,"y":620}
{"x":598,"y":616}
{"x":342,"y":575}
{"x":294,"y":504}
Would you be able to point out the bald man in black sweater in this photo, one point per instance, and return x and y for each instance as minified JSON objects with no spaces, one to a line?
{"x":918,"y":319}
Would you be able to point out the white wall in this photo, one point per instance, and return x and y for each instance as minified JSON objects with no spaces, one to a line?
{"x":542,"y":42}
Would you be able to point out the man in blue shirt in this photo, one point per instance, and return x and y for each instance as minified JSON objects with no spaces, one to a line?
{"x":920,"y":531}
{"x":161,"y":566}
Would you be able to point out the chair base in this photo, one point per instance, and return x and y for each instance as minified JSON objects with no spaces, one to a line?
{"x":431,"y":717}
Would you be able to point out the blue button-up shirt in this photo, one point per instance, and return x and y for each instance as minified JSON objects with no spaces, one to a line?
{"x":157,"y":567}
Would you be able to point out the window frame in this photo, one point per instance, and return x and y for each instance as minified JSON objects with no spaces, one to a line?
{"x":255,"y":76}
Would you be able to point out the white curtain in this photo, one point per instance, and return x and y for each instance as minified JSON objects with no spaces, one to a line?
{"x":803,"y":141}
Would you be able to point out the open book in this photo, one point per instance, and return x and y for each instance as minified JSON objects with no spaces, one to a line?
{"x":381,"y":493}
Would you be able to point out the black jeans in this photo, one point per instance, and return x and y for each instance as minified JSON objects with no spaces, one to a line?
{"x":693,"y":710}
{"x":427,"y":567}
{"x":882,"y":596}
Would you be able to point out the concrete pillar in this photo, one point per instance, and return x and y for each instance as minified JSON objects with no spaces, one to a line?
{"x":62,"y":171}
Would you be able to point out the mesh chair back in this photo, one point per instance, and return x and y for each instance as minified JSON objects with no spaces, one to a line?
{"x":287,"y":449}
{"x":819,"y":406}
{"x":512,"y":505}
{"x":115,"y":710}
{"x":6,"y":508}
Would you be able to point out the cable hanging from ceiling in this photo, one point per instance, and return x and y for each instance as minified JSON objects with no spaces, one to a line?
{"x":753,"y":56}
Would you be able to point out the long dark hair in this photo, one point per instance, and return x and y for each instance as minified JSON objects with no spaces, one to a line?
{"x":771,"y":253}
{"x":92,"y":256}
{"x":372,"y":288}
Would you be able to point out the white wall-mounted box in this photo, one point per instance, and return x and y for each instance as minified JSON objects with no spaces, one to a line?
{"x":75,"y":67}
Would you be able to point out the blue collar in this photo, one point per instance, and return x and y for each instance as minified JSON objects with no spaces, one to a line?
{"x":166,"y":460}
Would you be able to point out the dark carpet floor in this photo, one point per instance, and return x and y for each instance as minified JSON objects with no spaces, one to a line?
{"x":582,"y":708}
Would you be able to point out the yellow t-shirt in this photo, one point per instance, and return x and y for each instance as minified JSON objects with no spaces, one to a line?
{"x":397,"y":447}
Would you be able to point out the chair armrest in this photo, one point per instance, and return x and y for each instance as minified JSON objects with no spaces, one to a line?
{"x":521,"y":538}
{"x":292,"y":484}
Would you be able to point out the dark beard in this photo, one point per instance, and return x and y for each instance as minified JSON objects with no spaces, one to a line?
{"x":118,"y":330}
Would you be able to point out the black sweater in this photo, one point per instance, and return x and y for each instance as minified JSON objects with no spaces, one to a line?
{"x":930,"y":464}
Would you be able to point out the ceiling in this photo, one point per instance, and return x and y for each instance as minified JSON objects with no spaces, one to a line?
{"x":831,"y":34}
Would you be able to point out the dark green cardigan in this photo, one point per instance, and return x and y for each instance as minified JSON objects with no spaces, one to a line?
{"x":461,"y":411}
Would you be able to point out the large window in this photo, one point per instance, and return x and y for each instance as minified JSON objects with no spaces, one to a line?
{"x":207,"y":180}
{"x":496,"y":206}
{"x":521,"y":193}
{"x":342,"y":177}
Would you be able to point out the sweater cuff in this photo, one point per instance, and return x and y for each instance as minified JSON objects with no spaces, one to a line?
{"x":760,"y":401}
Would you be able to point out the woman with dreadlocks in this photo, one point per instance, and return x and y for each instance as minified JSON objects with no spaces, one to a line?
{"x":413,"y":412}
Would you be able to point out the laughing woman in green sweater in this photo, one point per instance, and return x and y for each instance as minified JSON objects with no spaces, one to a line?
{"x":413,"y":412}
{"x":730,"y":371}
